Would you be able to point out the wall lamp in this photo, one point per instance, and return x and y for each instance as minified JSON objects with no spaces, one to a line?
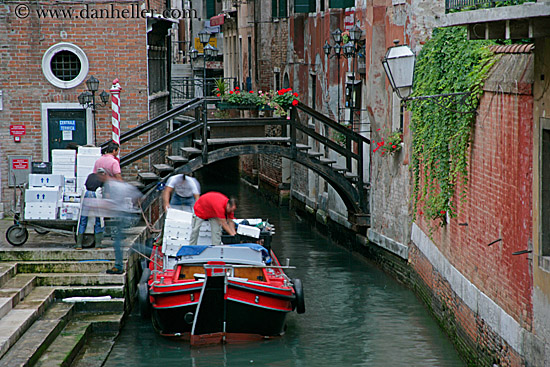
{"x":87,"y":99}
{"x":399,"y":63}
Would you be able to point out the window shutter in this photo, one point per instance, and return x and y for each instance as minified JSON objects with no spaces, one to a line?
{"x":274,"y":8}
{"x":304,"y":6}
{"x":282,"y":9}
{"x":341,"y":4}
{"x":210,"y":8}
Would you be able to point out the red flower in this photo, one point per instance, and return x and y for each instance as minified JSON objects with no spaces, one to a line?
{"x":421,"y":212}
{"x":393,"y":146}
{"x":280,"y":92}
{"x":231,"y":92}
{"x":236,"y":88}
{"x":295,"y":94}
{"x":295,"y":102}
{"x":251,"y":91}
{"x":442,"y":212}
{"x":217,"y":95}
{"x":377,"y":129}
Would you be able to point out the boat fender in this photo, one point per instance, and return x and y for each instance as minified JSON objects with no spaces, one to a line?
{"x":143,"y":294}
{"x":189,"y":318}
{"x":299,"y":303}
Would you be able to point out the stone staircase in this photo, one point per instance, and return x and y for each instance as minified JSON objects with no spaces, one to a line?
{"x":40,"y":322}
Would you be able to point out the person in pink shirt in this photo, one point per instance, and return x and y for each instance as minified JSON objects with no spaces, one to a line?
{"x":219,"y":210}
{"x":109,"y":162}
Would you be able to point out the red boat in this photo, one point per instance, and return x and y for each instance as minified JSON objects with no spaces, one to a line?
{"x":216,"y":294}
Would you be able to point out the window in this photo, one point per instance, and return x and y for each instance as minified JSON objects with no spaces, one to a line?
{"x":278,"y":9}
{"x":304,"y":6}
{"x":156,"y":56}
{"x":341,"y":4}
{"x":65,"y":65}
{"x":545,"y":187}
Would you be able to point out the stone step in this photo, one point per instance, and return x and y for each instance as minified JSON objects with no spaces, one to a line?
{"x":163,"y":170}
{"x":22,"y":316}
{"x":315,"y":154}
{"x":39,"y":336}
{"x":95,"y":351}
{"x":339,"y":169}
{"x":57,"y":254}
{"x":7,"y":271}
{"x":188,"y":152}
{"x":65,"y":349}
{"x":350,"y":176}
{"x":115,"y":291}
{"x":80,"y":279}
{"x":104,"y":306}
{"x":14,"y":291}
{"x":303,"y":147}
{"x":326,"y":161}
{"x":147,"y":177}
{"x":90,"y":266}
{"x":176,"y":160}
{"x":138,"y":185}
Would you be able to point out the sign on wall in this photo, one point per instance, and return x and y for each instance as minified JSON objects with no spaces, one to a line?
{"x":199,"y":47}
{"x":19,"y":167}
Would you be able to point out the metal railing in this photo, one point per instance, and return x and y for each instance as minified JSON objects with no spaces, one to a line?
{"x":184,"y":89}
{"x":462,"y":5}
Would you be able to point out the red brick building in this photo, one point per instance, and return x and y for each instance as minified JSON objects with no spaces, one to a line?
{"x":49,"y":51}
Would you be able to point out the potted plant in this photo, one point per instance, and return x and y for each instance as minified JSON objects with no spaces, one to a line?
{"x":391,"y":144}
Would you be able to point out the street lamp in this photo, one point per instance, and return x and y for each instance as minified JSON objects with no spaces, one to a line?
{"x":337,"y":38}
{"x":87,"y":99}
{"x":351,"y":49}
{"x":399,"y":65}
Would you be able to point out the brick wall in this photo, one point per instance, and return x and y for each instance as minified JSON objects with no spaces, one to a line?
{"x":115,"y":48}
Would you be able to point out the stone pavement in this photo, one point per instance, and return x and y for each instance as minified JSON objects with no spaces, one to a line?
{"x":35,"y":240}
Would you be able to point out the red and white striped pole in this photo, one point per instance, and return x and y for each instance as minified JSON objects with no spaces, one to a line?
{"x":115,"y":107}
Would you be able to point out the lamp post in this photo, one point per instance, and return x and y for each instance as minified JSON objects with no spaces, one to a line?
{"x":87,"y":99}
{"x":351,"y":49}
{"x":337,"y":38}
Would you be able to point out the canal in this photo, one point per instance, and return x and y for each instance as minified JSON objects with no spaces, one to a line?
{"x":356,"y":315}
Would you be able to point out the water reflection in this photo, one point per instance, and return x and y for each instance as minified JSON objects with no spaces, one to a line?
{"x":356,"y":315}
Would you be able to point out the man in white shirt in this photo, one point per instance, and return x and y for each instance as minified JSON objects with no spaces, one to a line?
{"x":185,"y":189}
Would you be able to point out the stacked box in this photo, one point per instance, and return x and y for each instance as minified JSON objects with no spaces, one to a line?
{"x":177,"y":231}
{"x":85,"y":161}
{"x":69,"y":211}
{"x":42,"y":202}
{"x":51,"y":180}
{"x":64,"y":162}
{"x":41,"y":210}
{"x":70,"y":184}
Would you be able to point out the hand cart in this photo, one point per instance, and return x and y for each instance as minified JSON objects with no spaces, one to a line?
{"x":18,"y":233}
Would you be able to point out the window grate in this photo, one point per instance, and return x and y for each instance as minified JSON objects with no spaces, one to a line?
{"x":65,"y":65}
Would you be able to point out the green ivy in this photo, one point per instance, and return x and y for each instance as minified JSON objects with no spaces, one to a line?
{"x":448,"y":63}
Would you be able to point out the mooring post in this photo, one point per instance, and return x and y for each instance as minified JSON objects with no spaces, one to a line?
{"x":293,"y":122}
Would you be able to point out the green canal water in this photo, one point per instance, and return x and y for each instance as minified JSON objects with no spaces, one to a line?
{"x":356,"y":315}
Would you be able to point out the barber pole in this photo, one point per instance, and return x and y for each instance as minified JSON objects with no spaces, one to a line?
{"x":115,"y":107}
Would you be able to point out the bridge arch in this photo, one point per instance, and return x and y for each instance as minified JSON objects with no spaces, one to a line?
{"x":341,"y":185}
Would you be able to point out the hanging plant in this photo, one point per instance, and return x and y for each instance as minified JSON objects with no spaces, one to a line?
{"x":448,"y":63}
{"x":390,"y":144}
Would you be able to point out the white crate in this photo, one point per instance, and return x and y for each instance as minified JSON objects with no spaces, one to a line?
{"x":51,"y":180}
{"x":40,"y":211}
{"x":86,"y":160}
{"x":89,"y":151}
{"x":248,"y":231}
{"x":69,"y":211}
{"x":63,"y":156}
{"x":84,"y":171}
{"x":43,"y":194}
{"x":71,"y":197}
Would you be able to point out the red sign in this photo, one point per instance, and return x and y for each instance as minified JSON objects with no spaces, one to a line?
{"x":17,"y":130}
{"x":349,"y":20}
{"x":20,"y":164}
{"x":217,"y":20}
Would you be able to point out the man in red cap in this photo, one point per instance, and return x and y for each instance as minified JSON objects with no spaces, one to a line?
{"x":219,"y":210}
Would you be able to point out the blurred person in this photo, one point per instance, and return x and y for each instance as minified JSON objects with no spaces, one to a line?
{"x":181,"y":192}
{"x":93,"y":183}
{"x":219,"y":210}
{"x":109,"y":162}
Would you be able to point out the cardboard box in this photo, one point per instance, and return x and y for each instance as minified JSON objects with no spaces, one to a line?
{"x":43,"y":194}
{"x":69,"y":211}
{"x":37,"y":180}
{"x":86,"y":160}
{"x":40,"y":211}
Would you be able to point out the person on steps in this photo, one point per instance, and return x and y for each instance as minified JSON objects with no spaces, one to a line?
{"x":93,"y":182}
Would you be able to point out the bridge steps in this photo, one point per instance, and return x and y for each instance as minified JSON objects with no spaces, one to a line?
{"x":176,"y":160}
{"x":163,"y":170}
{"x":244,"y":140}
{"x":190,"y":152}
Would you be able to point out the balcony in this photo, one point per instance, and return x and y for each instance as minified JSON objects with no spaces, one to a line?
{"x":493,"y":20}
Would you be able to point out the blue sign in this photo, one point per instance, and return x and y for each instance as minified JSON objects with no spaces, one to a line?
{"x":67,"y":125}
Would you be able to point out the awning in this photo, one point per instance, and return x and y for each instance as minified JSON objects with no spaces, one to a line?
{"x":217,"y":20}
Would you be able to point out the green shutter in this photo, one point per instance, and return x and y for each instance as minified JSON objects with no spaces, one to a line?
{"x":304,"y":6}
{"x":282,"y":9}
{"x":210,"y":8}
{"x":274,"y":8}
{"x":341,"y":4}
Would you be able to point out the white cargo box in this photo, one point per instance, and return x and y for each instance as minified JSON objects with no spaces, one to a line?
{"x":86,"y":160}
{"x":84,"y":171}
{"x":71,"y":197}
{"x":38,"y":180}
{"x":248,"y":231}
{"x":43,"y":194}
{"x":89,"y":151}
{"x":69,"y":211}
{"x":63,"y":156}
{"x":40,"y":211}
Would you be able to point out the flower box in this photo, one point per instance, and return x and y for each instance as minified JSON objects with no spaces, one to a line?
{"x":234,"y":106}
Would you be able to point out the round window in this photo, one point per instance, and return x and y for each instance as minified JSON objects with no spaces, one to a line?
{"x":65,"y":65}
